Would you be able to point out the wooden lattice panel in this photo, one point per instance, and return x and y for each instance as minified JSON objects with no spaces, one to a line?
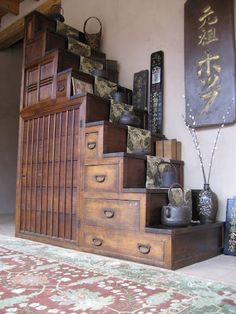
{"x":49,"y":184}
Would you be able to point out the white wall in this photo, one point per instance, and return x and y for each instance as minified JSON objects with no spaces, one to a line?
{"x":132,"y":30}
{"x":10,"y":78}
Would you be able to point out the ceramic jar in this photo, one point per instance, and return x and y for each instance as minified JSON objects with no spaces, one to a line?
{"x":207,"y":205}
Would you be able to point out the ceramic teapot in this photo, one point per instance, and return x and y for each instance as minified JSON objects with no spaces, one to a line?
{"x":177,"y":213}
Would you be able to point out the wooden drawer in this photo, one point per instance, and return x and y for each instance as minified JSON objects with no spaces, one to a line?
{"x":101,"y":178}
{"x":91,"y":145}
{"x":114,"y":214}
{"x":144,"y":246}
{"x":101,"y":139}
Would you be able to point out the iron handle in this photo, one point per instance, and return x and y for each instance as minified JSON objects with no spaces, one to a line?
{"x":167,"y":212}
{"x":144,"y":248}
{"x":109,"y":213}
{"x":97,"y":241}
{"x":61,"y":88}
{"x":100,"y":178}
{"x":91,"y":145}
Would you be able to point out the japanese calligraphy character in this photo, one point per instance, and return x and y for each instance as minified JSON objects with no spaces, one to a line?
{"x":208,"y":32}
{"x":207,"y":18}
{"x":208,"y":74}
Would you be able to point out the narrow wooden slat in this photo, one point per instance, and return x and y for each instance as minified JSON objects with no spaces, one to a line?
{"x":72,"y":170}
{"x":59,"y":175}
{"x":47,"y":175}
{"x":41,"y":180}
{"x":53,"y":168}
{"x":15,"y":31}
{"x":36,"y":174}
{"x":26,"y":170}
{"x":65,"y":175}
{"x":31,"y":173}
{"x":10,"y":6}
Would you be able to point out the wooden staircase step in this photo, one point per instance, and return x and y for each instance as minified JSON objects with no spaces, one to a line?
{"x":109,"y":138}
{"x":41,"y":43}
{"x":72,"y":82}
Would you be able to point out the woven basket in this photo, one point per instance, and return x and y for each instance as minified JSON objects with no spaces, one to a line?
{"x":94,"y":39}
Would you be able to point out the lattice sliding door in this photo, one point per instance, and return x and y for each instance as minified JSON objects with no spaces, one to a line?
{"x":49,"y":181}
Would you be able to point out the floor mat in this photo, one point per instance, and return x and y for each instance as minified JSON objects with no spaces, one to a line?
{"x":39,"y":278}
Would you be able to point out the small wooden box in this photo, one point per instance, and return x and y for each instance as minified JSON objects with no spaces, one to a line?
{"x":41,"y":43}
{"x":169,"y":149}
{"x":36,"y":22}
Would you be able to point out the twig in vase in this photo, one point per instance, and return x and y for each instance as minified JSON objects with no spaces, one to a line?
{"x":196,"y":143}
{"x":194,"y":135}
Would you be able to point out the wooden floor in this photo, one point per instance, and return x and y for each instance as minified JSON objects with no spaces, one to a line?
{"x":221,"y":268}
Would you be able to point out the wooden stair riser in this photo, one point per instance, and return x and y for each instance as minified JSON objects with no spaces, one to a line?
{"x":64,"y":88}
{"x":108,"y":138}
{"x":132,"y":211}
{"x":43,"y":42}
{"x":36,"y":22}
{"x":138,"y":246}
{"x":114,"y":174}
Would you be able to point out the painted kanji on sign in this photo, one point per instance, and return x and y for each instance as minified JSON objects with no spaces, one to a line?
{"x":209,"y":62}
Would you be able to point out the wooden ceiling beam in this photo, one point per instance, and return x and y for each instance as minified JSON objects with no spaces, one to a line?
{"x":15,"y":31}
{"x":10,"y":6}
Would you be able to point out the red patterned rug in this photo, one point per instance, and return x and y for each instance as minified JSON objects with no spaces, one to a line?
{"x":39,"y":278}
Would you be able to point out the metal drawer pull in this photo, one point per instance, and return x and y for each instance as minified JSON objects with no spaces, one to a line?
{"x":97,"y":241}
{"x":91,"y":145}
{"x":144,"y":248}
{"x":109,"y":213}
{"x":61,"y":88}
{"x":100,"y":179}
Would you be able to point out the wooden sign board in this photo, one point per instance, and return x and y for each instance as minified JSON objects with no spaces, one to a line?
{"x":209,"y":62}
{"x":140,"y":90}
{"x":155,"y":112}
{"x":230,"y":227}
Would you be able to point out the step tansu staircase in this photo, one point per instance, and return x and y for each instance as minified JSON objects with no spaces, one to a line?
{"x":77,"y":185}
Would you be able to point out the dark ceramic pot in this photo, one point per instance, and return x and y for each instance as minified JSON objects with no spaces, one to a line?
{"x":207,"y":205}
{"x":176,"y":216}
{"x":167,"y":177}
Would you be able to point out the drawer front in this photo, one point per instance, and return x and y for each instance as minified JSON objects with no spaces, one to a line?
{"x":136,"y":245}
{"x":114,"y":214}
{"x":101,"y":178}
{"x":91,"y":145}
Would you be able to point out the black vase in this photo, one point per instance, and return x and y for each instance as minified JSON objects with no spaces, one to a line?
{"x":207,"y":205}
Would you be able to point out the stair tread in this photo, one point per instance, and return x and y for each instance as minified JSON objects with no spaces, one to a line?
{"x":125,"y":154}
{"x":95,"y":123}
{"x":195,"y":226}
{"x":145,"y":190}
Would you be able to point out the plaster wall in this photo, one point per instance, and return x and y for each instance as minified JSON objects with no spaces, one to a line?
{"x":132,"y":30}
{"x":10,"y":80}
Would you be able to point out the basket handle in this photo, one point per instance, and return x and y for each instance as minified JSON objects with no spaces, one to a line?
{"x":93,"y":17}
{"x":175,"y":185}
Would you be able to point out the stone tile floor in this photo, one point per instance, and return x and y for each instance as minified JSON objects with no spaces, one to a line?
{"x":221,"y":268}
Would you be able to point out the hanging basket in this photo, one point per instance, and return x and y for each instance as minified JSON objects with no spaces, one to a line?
{"x":94,"y":39}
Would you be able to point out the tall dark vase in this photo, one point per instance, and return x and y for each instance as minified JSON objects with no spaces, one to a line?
{"x":207,"y":205}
